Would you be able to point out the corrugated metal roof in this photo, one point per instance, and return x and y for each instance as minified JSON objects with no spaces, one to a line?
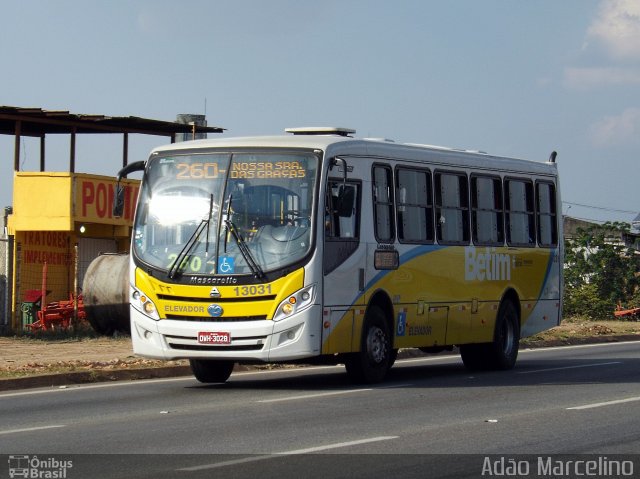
{"x":39,"y":122}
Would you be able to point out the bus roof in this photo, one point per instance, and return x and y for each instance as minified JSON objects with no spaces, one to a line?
{"x":337,"y":141}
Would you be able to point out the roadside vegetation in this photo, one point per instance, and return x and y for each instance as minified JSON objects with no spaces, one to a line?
{"x":601,"y":274}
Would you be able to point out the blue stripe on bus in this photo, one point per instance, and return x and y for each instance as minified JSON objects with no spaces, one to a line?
{"x":406,"y":257}
{"x":552,"y":254}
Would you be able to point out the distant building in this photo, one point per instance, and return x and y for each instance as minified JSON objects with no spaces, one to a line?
{"x":630,"y":239}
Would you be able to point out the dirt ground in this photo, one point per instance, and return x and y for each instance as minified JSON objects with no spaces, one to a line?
{"x":27,"y":356}
{"x":22,"y":356}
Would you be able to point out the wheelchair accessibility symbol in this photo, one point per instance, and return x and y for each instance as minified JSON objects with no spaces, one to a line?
{"x":226,"y":265}
{"x":402,"y":324}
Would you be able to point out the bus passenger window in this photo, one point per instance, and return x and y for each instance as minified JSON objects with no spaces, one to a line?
{"x":452,"y":208}
{"x":520,"y":213}
{"x":414,"y":208}
{"x":547,"y":218}
{"x":486,"y":215}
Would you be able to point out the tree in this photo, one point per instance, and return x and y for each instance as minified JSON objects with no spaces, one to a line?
{"x":600,"y":272}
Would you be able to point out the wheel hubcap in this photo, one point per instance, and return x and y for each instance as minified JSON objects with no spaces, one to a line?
{"x":376,"y":345}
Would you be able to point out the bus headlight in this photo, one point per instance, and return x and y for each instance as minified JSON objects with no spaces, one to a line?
{"x":143,"y":304}
{"x":295,"y":303}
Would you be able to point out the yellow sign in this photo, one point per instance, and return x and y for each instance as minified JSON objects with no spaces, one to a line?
{"x":94,"y":200}
{"x":51,"y":247}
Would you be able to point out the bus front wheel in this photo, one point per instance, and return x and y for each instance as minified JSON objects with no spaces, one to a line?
{"x":209,"y":371}
{"x":372,"y":362}
{"x":502,"y":352}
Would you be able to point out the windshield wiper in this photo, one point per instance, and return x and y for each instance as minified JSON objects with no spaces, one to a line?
{"x":242,"y":245}
{"x":206,"y":246}
{"x":191,"y":242}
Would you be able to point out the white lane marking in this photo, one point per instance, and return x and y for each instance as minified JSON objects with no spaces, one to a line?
{"x":607,"y":403}
{"x":429,"y":359}
{"x":233,"y":462}
{"x":578,"y":346}
{"x":125,"y":382}
{"x":29,"y":429}
{"x":337,"y":445}
{"x":309,"y":396}
{"x":287,"y":453}
{"x":593,"y":365}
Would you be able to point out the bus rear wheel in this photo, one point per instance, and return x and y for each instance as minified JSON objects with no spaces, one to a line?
{"x":376,"y":355}
{"x":502,"y":352}
{"x":211,"y":371}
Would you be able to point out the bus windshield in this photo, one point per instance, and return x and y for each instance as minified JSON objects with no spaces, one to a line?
{"x":225,"y":213}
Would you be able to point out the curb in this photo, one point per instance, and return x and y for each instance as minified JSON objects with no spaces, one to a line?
{"x":95,"y":376}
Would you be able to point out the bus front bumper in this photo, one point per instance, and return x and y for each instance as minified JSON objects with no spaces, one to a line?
{"x":263,"y":340}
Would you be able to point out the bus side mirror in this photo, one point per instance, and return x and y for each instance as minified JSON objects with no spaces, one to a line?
{"x":346,"y":201}
{"x":118,"y":201}
{"x":118,"y":198}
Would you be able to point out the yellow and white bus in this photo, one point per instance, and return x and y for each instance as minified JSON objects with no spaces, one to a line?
{"x":319,"y":246}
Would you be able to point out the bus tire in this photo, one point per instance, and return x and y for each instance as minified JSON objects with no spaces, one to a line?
{"x":506,"y":339}
{"x":394,"y":356}
{"x":473,"y":357}
{"x":211,"y":371}
{"x":502,"y":352}
{"x":376,"y":355}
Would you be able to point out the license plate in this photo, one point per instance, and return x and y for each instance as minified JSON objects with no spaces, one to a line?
{"x":209,"y":337}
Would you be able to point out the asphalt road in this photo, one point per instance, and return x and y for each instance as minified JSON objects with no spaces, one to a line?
{"x":431,"y":418}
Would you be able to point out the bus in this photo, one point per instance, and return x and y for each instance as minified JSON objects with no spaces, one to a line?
{"x":321,"y":247}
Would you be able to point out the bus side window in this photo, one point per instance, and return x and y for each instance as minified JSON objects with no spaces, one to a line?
{"x":383,"y":203}
{"x":413,"y":205}
{"x":486,"y":210}
{"x":452,"y":208}
{"x":546,"y":211}
{"x":519,"y":206}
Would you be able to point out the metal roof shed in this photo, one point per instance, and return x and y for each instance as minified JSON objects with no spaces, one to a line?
{"x":36,"y":122}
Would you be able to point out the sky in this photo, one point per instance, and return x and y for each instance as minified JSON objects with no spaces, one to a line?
{"x":510,"y":77}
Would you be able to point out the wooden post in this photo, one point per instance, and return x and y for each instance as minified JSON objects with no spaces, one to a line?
{"x":125,"y":150}
{"x":16,"y":151}
{"x":43,"y":300}
{"x":42,"y":152}
{"x":72,"y":151}
{"x":74,"y":322}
